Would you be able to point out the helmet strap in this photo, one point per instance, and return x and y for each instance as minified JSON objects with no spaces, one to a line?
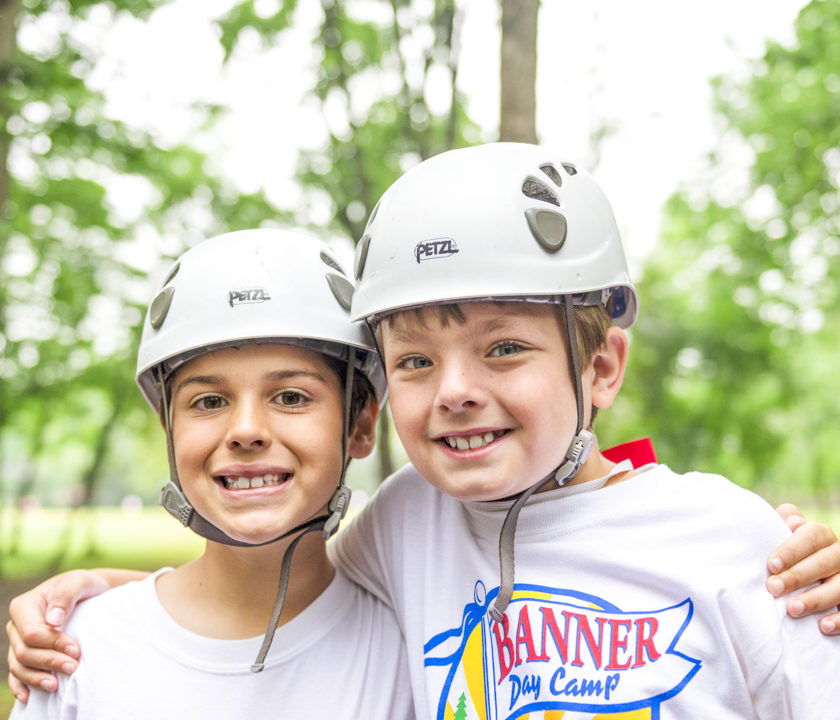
{"x":340,"y":500}
{"x":577,"y":454}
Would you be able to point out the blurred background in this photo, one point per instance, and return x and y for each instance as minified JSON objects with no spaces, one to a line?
{"x":133,"y":129}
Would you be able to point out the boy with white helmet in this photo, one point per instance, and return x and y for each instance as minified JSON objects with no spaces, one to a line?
{"x":496,"y":284}
{"x":265,"y":391}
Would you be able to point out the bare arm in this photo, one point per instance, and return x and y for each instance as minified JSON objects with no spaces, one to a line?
{"x":37,"y":647}
{"x":809,"y":555}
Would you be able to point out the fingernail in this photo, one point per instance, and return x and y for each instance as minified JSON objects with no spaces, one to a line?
{"x":776,"y":586}
{"x":72,"y":651}
{"x":776,"y":563}
{"x":68,"y":668}
{"x":828,"y":626}
{"x":796,"y":607}
{"x":55,"y":616}
{"x":795,"y":521}
{"x":49,"y":684}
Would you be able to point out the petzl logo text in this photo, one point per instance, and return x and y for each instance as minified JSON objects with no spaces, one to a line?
{"x":248,"y":295}
{"x":434,"y":248}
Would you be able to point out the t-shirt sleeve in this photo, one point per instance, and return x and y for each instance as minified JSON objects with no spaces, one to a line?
{"x":789,"y":666}
{"x":42,"y":705}
{"x":359,"y":549}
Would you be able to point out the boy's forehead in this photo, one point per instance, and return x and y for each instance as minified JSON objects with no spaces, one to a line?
{"x":233,"y":356}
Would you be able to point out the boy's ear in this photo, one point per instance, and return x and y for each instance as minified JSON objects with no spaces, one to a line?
{"x":363,"y":434}
{"x":608,"y":365}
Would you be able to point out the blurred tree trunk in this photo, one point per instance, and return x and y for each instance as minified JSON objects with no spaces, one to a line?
{"x":517,"y":114}
{"x":89,"y":484}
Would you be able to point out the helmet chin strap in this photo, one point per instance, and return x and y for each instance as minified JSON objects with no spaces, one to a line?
{"x":577,"y":454}
{"x":173,"y":499}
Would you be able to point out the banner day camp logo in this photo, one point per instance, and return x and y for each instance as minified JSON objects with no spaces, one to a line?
{"x":560,"y":653}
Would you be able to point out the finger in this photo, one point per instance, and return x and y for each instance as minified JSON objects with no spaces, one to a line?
{"x":19,"y":690}
{"x":821,"y":565}
{"x":806,"y":540}
{"x":27,"y":676}
{"x":830,"y":624}
{"x":43,"y":655}
{"x":791,"y":515}
{"x":818,"y":599}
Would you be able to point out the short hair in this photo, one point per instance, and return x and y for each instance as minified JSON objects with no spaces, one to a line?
{"x":362,"y":392}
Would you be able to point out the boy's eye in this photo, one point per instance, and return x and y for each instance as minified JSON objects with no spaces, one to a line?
{"x":209,"y":402}
{"x":506,"y":348}
{"x":415,"y":362}
{"x":291,"y":398}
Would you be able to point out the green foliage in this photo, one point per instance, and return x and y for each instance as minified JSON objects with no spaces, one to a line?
{"x":372,"y":143}
{"x":733,"y":365}
{"x":245,"y":16}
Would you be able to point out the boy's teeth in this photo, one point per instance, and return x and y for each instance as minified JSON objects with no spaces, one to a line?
{"x":470,"y":443}
{"x":244,"y":483}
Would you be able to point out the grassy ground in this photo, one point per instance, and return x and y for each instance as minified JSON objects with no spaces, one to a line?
{"x":46,"y":540}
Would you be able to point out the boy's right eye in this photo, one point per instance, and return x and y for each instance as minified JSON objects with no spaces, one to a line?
{"x":414,"y":362}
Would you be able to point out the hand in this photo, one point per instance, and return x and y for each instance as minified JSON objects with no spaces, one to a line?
{"x":809,"y":555}
{"x":37,"y":648}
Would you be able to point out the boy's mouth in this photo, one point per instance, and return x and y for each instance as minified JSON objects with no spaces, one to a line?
{"x":240,"y":482}
{"x":472,"y":442}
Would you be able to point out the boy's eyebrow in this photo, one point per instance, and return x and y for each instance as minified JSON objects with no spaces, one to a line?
{"x":404,"y":334}
{"x":276,"y":375}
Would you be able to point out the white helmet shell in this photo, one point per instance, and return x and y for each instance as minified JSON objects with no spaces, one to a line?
{"x":253,"y":286}
{"x":496,"y":221}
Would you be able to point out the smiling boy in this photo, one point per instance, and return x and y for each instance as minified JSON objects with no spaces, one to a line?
{"x":265,"y":391}
{"x":635,"y":592}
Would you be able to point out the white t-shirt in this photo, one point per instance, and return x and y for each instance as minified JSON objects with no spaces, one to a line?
{"x":342,"y":657}
{"x":645,"y":597}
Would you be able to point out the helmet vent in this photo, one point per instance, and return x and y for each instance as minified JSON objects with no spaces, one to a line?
{"x":538,"y":191}
{"x":331,"y":262}
{"x":569,"y":168}
{"x":172,"y":273}
{"x":341,"y":288}
{"x":361,"y":256}
{"x":160,"y":306}
{"x":372,"y":215}
{"x":551,"y":171}
{"x":548,"y":228}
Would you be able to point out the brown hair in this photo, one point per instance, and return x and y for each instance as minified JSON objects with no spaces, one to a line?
{"x":362,"y":392}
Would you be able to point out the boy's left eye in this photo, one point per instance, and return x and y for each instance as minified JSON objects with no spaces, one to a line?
{"x":209,"y":402}
{"x":506,"y":348}
{"x":291,"y":398}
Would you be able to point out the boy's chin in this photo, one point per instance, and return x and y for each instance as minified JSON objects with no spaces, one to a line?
{"x":481,"y":491}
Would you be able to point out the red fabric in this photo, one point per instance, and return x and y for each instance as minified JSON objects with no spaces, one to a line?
{"x":639,"y":452}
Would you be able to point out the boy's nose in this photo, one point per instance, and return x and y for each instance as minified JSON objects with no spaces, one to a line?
{"x":248,"y":427}
{"x":458,"y":389}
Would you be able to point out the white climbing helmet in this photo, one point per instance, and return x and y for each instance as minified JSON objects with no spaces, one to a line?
{"x":250,"y":286}
{"x":496,"y":221}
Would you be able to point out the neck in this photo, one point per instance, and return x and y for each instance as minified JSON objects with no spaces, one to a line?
{"x":229,"y":592}
{"x":595,"y":467}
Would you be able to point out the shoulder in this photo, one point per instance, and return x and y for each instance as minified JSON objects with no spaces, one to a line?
{"x":713,"y":501}
{"x":118,"y":607}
